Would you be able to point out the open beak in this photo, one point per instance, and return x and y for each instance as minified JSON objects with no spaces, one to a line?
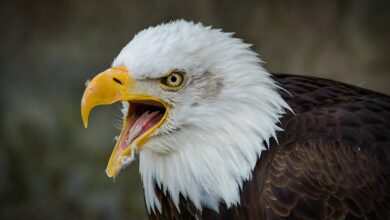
{"x":145,"y":113}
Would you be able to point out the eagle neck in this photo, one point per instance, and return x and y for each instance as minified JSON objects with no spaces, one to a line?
{"x":210,"y":161}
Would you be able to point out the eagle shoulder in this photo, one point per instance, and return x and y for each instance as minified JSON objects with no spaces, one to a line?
{"x":333,"y":159}
{"x":326,"y":180}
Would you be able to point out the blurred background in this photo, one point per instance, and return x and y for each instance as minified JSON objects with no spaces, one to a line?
{"x":53,"y":168}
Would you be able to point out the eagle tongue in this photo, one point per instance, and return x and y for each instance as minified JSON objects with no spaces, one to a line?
{"x":140,"y":126}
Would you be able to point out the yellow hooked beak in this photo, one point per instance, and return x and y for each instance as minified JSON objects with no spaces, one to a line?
{"x":108,"y":87}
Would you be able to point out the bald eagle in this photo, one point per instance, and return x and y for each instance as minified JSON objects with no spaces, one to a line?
{"x":219,"y":137}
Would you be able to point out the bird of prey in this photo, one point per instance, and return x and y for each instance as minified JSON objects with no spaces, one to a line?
{"x":219,"y":137}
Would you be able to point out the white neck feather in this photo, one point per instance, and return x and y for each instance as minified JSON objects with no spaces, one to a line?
{"x":208,"y":162}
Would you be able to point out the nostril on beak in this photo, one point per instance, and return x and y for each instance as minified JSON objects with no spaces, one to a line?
{"x":117,"y":81}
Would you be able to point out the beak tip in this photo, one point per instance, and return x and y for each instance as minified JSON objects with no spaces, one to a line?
{"x":109,"y":174}
{"x":85,"y":121}
{"x":85,"y":115}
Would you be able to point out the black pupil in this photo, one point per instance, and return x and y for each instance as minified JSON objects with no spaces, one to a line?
{"x":173,"y":79}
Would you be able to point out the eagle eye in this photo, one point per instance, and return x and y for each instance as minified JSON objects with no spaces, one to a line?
{"x":174,"y":80}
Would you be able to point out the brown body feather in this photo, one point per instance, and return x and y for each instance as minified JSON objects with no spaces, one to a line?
{"x":332,"y":160}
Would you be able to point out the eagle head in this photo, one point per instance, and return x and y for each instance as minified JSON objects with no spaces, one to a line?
{"x":197,"y":107}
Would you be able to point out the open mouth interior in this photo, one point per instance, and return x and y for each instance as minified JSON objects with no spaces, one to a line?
{"x":141,"y":117}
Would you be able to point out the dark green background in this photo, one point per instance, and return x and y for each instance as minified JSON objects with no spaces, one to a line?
{"x":53,"y":168}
